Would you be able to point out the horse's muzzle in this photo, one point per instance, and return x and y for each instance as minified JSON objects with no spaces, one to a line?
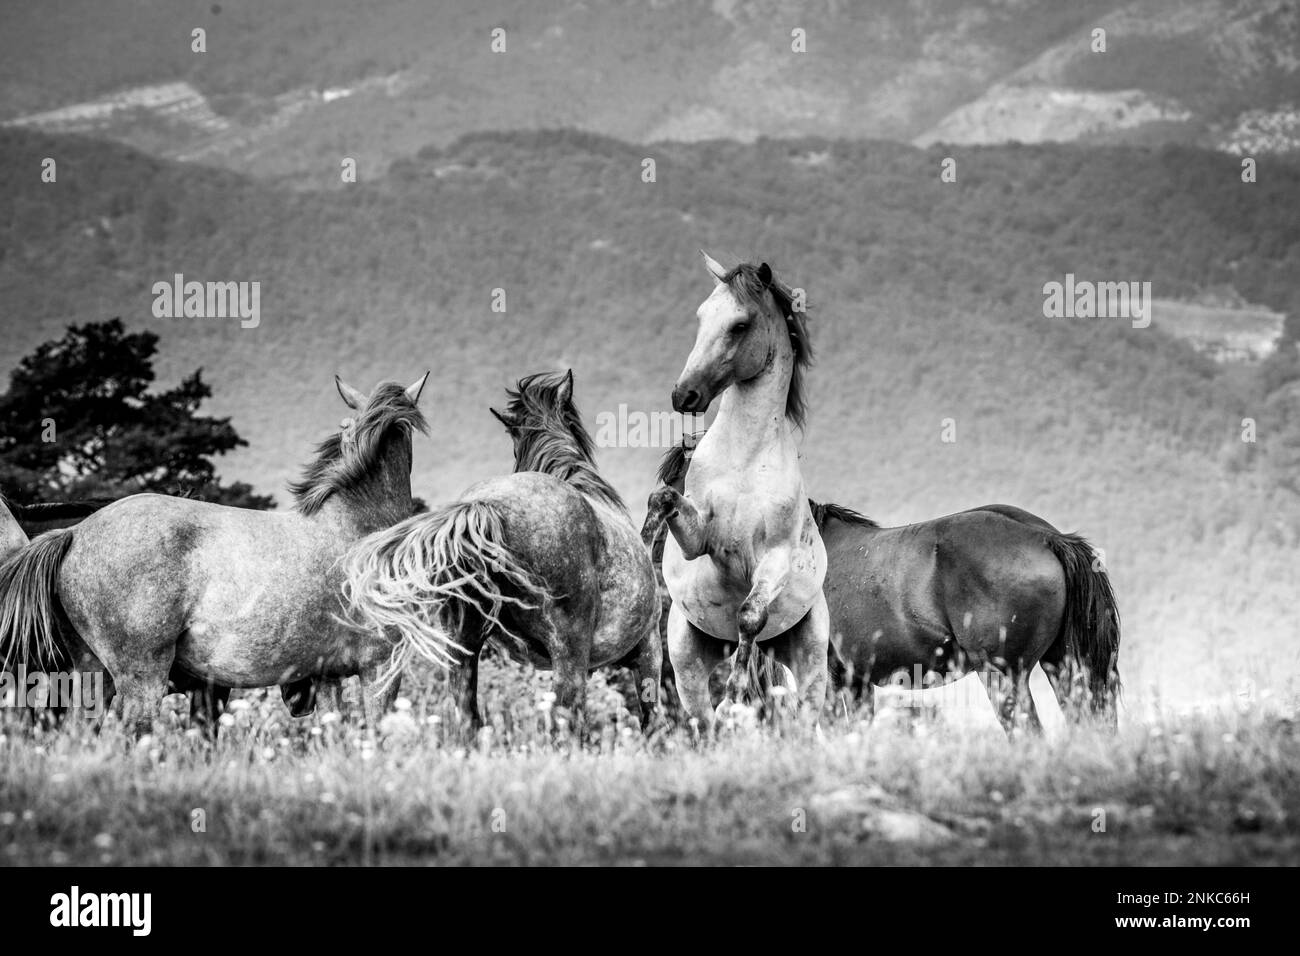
{"x":689,"y":401}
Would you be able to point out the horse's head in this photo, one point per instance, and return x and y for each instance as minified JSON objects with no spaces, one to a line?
{"x":746,"y":326}
{"x":357,"y":400}
{"x":371,"y":451}
{"x":541,"y":411}
{"x":546,"y":428}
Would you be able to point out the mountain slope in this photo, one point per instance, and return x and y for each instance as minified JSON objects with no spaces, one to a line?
{"x":289,"y":89}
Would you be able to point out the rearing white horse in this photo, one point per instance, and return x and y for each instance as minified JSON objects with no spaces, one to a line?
{"x":744,"y":562}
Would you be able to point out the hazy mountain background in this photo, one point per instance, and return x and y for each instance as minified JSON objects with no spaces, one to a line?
{"x":926,"y":296}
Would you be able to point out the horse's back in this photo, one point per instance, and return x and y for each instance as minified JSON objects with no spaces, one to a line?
{"x":542,"y":514}
{"x":1015,"y":514}
{"x":586,"y":551}
{"x":162,"y":527}
{"x":553,"y":530}
{"x":983,"y":578}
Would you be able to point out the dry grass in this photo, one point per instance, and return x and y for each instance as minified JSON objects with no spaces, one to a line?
{"x":1193,"y":790}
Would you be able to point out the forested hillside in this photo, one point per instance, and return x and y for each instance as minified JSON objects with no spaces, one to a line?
{"x":926,"y":301}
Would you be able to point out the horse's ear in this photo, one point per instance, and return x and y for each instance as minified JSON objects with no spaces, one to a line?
{"x":413,"y":391}
{"x":765,"y":274}
{"x":715,"y":267}
{"x":564,"y":394}
{"x":503,"y":417}
{"x":351,"y":397}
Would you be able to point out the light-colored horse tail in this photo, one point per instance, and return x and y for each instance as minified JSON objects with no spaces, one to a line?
{"x":430,"y":576}
{"x":29,"y":604}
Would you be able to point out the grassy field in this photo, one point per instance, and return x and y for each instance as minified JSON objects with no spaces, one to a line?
{"x":1174,"y":790}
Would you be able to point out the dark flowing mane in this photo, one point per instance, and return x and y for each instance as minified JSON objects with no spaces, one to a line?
{"x":343,"y":466}
{"x":826,"y":512}
{"x":747,"y":286}
{"x":552,"y":439}
{"x":42,"y":512}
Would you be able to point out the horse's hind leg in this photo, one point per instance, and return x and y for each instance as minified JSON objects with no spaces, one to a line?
{"x":1008,"y":692}
{"x":804,"y":652}
{"x":694,"y":656}
{"x":649,"y":671}
{"x":141,"y":685}
{"x":1023,"y":702}
{"x":570,"y":651}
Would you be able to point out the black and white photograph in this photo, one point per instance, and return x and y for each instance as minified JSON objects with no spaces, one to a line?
{"x":651,"y":433}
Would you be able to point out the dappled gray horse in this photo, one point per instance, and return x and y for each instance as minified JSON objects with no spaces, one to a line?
{"x":225,"y":595}
{"x":546,"y":560}
{"x":207,"y":699}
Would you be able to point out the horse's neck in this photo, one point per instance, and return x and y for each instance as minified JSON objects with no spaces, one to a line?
{"x":381,"y":500}
{"x":751,"y":429}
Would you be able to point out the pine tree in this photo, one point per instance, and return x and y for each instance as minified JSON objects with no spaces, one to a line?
{"x":79,"y":422}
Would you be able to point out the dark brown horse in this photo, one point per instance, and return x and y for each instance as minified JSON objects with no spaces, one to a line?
{"x":994,"y":589}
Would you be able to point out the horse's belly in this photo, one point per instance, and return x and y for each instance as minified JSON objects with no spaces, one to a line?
{"x":272,"y":636}
{"x":237,"y":659}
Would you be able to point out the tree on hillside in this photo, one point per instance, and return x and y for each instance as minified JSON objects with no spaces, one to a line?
{"x":78,"y":422}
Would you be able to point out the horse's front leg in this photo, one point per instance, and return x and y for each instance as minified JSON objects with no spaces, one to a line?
{"x":684,"y":521}
{"x":769,"y":578}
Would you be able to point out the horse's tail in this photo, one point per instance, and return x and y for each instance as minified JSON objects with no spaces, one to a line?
{"x":1090,"y":625}
{"x":29,"y":604}
{"x":429,"y":577}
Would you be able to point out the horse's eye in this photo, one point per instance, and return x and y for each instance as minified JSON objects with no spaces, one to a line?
{"x":740,"y":328}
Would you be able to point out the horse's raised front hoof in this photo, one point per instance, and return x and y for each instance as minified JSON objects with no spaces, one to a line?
{"x":659,"y":506}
